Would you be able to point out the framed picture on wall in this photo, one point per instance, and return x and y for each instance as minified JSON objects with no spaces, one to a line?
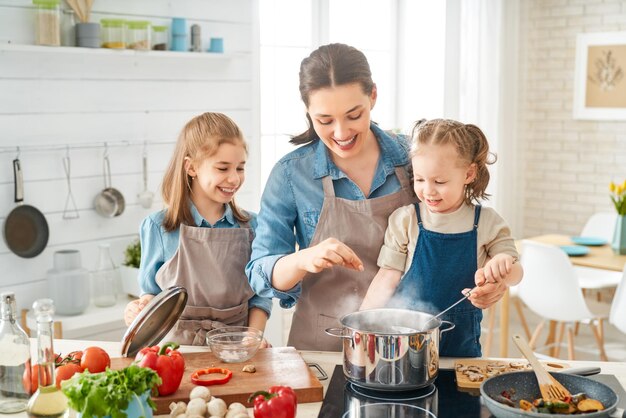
{"x":600,"y":79}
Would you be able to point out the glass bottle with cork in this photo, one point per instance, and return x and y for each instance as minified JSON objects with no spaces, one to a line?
{"x":48,"y":401}
{"x":14,"y":359}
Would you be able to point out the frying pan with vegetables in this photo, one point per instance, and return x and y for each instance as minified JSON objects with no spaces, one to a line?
{"x":25,"y":228}
{"x":523,"y":385}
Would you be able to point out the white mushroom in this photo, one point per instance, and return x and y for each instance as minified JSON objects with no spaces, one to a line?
{"x":236,"y":406}
{"x":177,"y":409}
{"x":217,"y":407}
{"x":236,"y":414}
{"x":201,"y":392}
{"x":196,"y":406}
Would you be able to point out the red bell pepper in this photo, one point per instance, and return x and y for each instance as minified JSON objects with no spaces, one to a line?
{"x":197,"y":380}
{"x":277,"y":402}
{"x":167,"y":362}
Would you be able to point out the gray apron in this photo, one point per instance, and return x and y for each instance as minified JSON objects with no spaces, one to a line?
{"x":210,"y":263}
{"x":335,"y":292}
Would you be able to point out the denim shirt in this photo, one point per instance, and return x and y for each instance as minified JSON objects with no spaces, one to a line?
{"x":293,"y":197}
{"x":159,"y":245}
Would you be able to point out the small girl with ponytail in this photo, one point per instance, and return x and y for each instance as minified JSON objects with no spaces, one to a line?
{"x":447,"y":244}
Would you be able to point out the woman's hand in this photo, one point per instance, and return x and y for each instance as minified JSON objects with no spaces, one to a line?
{"x":134,"y":307}
{"x":328,"y":253}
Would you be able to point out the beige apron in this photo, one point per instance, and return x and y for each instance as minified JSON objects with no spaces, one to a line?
{"x":210,"y":263}
{"x":332,"y":293}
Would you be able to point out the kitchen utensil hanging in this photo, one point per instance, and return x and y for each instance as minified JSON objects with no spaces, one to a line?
{"x":146,"y":196}
{"x":109,"y":202}
{"x":25,"y":227}
{"x":69,"y":212}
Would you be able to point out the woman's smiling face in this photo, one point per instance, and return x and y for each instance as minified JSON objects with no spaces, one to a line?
{"x":341,"y":117}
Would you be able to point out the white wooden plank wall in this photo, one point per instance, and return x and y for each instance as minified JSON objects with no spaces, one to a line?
{"x":51,"y":97}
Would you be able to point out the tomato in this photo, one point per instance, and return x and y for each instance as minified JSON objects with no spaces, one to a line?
{"x":73,"y":357}
{"x":30,"y":379}
{"x":66,"y":371}
{"x":95,"y":360}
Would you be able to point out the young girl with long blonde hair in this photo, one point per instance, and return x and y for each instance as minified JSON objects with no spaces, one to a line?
{"x":202,"y":240}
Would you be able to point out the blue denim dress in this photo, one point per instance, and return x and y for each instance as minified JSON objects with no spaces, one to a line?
{"x":442,"y":266}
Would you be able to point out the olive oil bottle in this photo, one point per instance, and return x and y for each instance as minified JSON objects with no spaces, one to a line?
{"x":48,"y":401}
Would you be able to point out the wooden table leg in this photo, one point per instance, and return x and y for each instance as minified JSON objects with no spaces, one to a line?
{"x":550,"y":339}
{"x":504,"y":324}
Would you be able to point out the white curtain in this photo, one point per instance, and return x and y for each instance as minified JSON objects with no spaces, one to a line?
{"x":481,"y":86}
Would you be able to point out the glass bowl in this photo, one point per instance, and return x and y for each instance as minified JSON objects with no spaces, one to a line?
{"x":234,"y":344}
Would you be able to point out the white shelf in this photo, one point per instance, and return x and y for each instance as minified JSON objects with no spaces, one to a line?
{"x":117,"y":52}
{"x":93,"y":322}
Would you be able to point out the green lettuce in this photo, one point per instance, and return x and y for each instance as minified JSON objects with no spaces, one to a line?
{"x":109,"y":393}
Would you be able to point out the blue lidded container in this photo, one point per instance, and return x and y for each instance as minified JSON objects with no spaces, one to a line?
{"x":179,"y":34}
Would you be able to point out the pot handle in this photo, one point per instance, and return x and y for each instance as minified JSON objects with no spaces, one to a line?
{"x":450,"y":328}
{"x":333,"y":333}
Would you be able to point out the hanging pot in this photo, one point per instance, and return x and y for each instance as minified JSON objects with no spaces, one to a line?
{"x":25,"y":228}
{"x":390,"y":349}
{"x":109,"y":202}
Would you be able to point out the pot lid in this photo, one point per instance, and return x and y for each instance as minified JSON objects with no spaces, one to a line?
{"x":155,"y":320}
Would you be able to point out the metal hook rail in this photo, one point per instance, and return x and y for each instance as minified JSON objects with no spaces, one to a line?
{"x":20,"y":149}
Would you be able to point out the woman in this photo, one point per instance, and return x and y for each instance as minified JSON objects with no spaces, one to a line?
{"x":336,"y":192}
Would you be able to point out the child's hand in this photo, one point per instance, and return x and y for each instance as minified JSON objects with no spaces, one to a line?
{"x":134,"y":307}
{"x":328,"y":253}
{"x":495,"y":270}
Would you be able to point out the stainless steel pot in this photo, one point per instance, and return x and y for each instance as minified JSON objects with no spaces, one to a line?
{"x":390,"y":349}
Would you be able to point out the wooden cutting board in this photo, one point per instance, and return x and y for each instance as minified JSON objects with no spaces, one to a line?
{"x":484,"y":367}
{"x":274,"y":366}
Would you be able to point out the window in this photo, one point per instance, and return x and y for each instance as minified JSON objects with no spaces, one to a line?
{"x":404,"y":41}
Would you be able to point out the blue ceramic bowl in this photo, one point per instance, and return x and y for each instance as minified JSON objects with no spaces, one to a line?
{"x":137,"y":407}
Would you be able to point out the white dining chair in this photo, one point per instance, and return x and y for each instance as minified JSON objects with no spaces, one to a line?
{"x":617,"y":316}
{"x":551,"y":290}
{"x":599,"y":225}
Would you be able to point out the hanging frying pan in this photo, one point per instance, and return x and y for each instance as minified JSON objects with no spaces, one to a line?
{"x":25,"y":228}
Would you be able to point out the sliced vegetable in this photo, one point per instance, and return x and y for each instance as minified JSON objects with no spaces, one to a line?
{"x":277,"y":402}
{"x":589,"y":405}
{"x":168,"y":362}
{"x":196,"y":378}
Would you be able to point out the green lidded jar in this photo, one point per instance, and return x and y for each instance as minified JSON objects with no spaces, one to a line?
{"x":138,"y":34}
{"x":47,"y":22}
{"x":160,"y":38}
{"x":112,"y":31}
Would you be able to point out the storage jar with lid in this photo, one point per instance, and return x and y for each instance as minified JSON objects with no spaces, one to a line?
{"x":48,"y":22}
{"x":112,"y":32}
{"x":160,"y":38}
{"x":138,"y":35}
{"x":68,"y":273}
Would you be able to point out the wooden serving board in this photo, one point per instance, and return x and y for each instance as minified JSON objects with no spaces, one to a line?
{"x":274,"y":366}
{"x":486,"y":366}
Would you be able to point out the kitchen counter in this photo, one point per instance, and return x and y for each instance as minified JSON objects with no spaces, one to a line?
{"x":326,"y":360}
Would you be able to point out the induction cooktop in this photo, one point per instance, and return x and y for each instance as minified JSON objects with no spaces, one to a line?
{"x":441,"y":400}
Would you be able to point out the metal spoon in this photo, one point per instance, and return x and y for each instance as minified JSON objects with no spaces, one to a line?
{"x":145,"y":197}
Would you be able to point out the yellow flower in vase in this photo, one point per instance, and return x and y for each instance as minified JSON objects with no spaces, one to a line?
{"x":618,"y":197}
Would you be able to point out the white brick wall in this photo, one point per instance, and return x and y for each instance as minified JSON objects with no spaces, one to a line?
{"x":567,"y":163}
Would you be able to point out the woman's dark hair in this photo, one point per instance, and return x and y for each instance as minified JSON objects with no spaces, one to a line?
{"x":328,"y":66}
